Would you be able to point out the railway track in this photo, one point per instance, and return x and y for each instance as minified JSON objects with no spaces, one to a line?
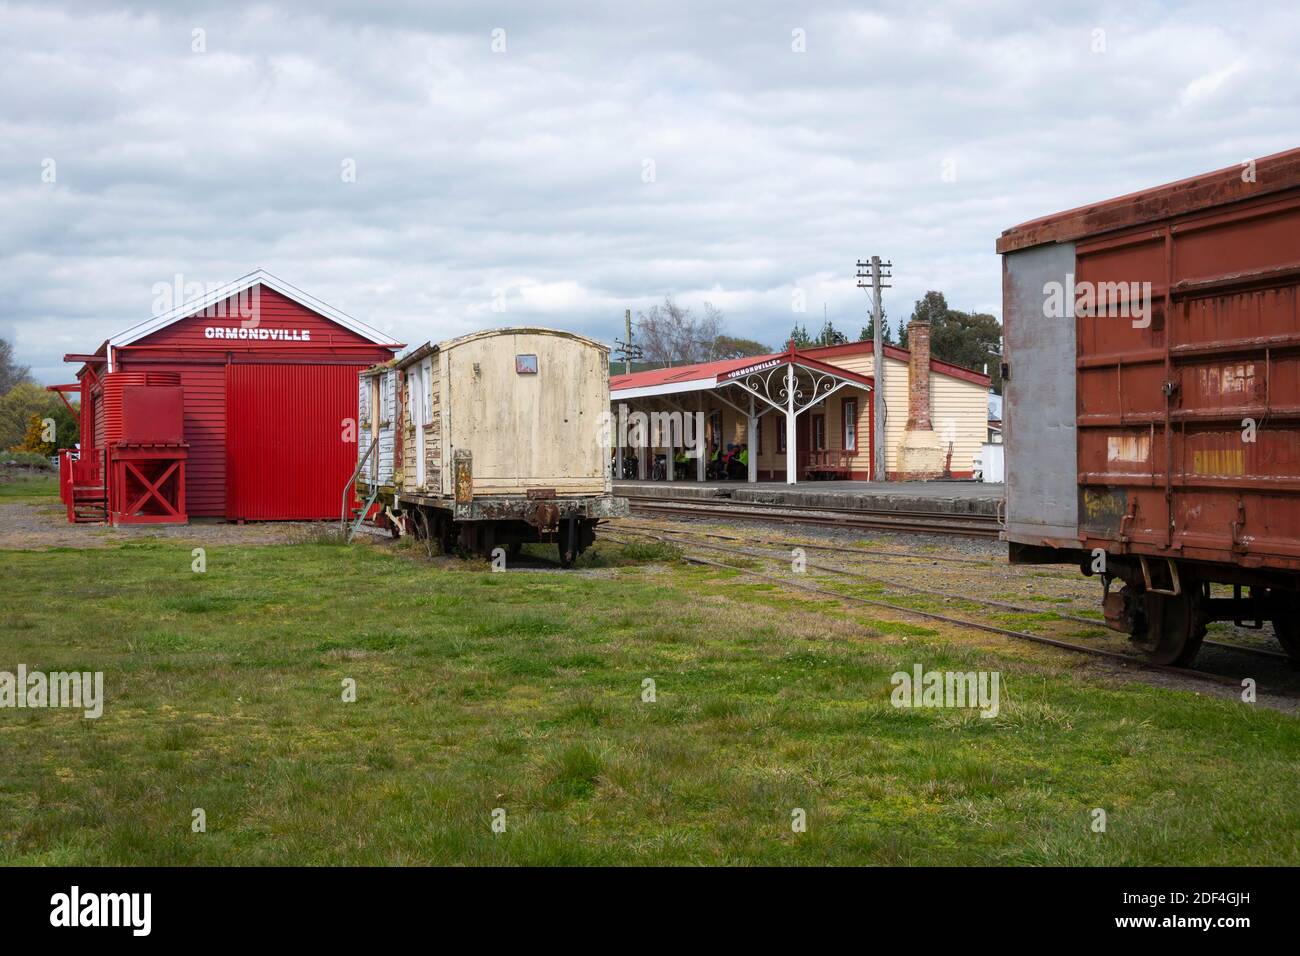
{"x":816,"y":546}
{"x":972,"y":525}
{"x":785,"y":581}
{"x":905,"y":557}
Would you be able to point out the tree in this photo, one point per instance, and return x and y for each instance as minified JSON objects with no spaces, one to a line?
{"x":25,"y":401}
{"x":728,"y":347}
{"x":670,"y":334}
{"x":11,"y":373}
{"x":34,"y":440}
{"x":969,"y":339}
{"x":799,"y":335}
{"x":868,"y":333}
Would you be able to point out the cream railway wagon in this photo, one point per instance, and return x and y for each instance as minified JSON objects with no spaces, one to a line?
{"x":494,"y":439}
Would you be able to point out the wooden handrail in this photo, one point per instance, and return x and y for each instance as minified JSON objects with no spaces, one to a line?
{"x":343,"y":512}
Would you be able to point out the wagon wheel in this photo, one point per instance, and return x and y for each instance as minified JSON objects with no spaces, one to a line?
{"x":1175,"y":628}
{"x":447,"y":534}
{"x":566,"y":538}
{"x":1286,"y":628}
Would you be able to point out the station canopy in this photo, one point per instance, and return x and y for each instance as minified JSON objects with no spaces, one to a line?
{"x":785,"y":383}
{"x":766,"y":377}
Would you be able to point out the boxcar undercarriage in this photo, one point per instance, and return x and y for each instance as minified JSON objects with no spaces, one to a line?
{"x":1164,"y":605}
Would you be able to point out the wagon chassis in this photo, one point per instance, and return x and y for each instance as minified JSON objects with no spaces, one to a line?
{"x":1165,"y":604}
{"x":483,"y":524}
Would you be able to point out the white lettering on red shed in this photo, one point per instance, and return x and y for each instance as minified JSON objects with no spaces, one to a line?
{"x":263,"y":335}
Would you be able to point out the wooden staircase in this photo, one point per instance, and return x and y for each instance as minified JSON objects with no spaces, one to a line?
{"x":82,"y":487}
{"x":89,"y":505}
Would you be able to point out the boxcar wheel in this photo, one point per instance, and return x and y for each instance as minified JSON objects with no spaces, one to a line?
{"x":1287,"y":631}
{"x":1175,"y":628}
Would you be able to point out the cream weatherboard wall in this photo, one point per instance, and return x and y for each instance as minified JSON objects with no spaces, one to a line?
{"x":958,"y":408}
{"x":960,"y":413}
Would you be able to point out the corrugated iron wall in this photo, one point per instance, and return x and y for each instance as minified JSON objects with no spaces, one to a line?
{"x":278,"y":418}
{"x":1187,"y":416}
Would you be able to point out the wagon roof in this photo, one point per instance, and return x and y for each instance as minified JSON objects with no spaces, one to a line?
{"x":261,"y":277}
{"x":428,"y":348}
{"x":1271,"y":174}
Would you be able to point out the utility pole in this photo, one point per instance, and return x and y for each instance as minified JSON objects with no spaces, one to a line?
{"x":626,"y":348}
{"x":873,"y":275}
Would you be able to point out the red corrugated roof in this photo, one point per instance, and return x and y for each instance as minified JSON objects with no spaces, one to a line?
{"x":687,"y":373}
{"x":818,"y":355}
{"x":1271,"y":173}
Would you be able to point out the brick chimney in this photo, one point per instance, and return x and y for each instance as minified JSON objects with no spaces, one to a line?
{"x":918,"y":375}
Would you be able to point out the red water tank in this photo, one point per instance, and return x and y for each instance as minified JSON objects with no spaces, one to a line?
{"x":112,"y":385}
{"x":153,"y":415}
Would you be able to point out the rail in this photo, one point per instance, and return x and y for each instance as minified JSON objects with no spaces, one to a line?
{"x":972,"y":523}
{"x":784,"y":580}
{"x":351,"y":482}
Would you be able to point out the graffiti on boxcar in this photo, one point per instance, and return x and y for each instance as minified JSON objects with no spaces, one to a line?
{"x":1102,"y":509}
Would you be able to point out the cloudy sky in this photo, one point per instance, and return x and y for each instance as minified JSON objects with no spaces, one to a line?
{"x":567,"y":161}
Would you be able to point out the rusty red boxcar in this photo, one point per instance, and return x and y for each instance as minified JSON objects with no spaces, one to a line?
{"x":1152,"y":347}
{"x":269,"y":377}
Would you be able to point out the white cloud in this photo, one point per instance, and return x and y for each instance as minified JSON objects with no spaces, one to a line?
{"x":523,"y":171}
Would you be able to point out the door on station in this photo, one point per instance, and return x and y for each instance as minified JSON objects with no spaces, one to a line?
{"x":289,"y":447}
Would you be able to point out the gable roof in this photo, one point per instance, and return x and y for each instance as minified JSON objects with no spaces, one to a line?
{"x":901,"y":354}
{"x":707,"y":375}
{"x":700,"y":371}
{"x":261,"y":277}
{"x":681,"y":377}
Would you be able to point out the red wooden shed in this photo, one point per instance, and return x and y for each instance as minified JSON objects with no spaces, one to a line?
{"x":269,"y":381}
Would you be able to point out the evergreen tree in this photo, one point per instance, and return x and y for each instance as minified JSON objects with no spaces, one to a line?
{"x":799,"y":335}
{"x":868,"y":333}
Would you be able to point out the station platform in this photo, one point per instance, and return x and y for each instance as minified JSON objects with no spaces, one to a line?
{"x":936,"y":497}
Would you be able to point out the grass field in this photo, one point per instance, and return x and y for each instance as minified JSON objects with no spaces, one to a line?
{"x":523,"y":691}
{"x":26,"y":485}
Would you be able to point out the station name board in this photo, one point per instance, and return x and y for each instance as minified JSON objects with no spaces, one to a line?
{"x":761,"y":366}
{"x":277,"y":335}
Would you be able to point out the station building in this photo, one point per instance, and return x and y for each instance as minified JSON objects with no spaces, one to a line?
{"x":806,"y":413}
{"x":239,"y":404}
